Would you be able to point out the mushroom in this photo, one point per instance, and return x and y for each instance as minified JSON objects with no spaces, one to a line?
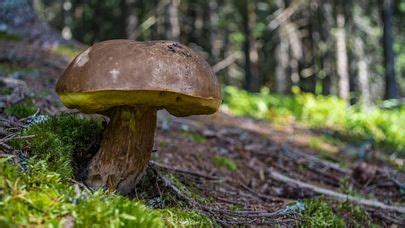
{"x":129,"y":81}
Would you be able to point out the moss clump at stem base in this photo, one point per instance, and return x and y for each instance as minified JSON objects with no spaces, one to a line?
{"x":57,"y":139}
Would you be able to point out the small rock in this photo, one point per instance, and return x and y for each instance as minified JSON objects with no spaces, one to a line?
{"x":156,"y":202}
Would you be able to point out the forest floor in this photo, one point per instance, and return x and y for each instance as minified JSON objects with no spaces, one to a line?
{"x":234,"y":170}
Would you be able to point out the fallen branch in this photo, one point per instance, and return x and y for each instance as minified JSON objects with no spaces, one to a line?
{"x":283,"y":16}
{"x":336,"y":195}
{"x":229,"y":60}
{"x":314,"y":161}
{"x":265,"y":197}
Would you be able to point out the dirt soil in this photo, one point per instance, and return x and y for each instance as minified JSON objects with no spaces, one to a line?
{"x":269,"y":162}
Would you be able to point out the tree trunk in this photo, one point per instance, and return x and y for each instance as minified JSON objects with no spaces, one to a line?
{"x":281,"y":67}
{"x":326,"y":21}
{"x":362,"y":72}
{"x":252,"y":82}
{"x":173,"y":32}
{"x":391,"y":87}
{"x":341,"y":56}
{"x":213,"y":24}
{"x":131,"y":20}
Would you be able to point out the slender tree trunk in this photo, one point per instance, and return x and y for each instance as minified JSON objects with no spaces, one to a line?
{"x":362,"y":72}
{"x":341,"y":56}
{"x":253,"y":52}
{"x":328,"y":58}
{"x":281,"y":67}
{"x":246,"y":45}
{"x":131,"y":20}
{"x":391,"y":87}
{"x":160,"y":20}
{"x":173,"y":32}
{"x":250,"y":47}
{"x":213,"y":15}
{"x":226,"y":51}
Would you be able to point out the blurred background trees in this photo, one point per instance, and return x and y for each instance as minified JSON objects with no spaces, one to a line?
{"x":351,"y":49}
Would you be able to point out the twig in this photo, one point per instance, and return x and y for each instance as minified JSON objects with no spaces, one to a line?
{"x":81,"y":185}
{"x":5,"y":146}
{"x":31,"y":116}
{"x":14,"y":136}
{"x":183,"y":171}
{"x":336,"y":195}
{"x":265,"y":197}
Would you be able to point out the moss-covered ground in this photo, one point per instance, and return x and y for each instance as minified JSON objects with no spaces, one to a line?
{"x":40,"y":190}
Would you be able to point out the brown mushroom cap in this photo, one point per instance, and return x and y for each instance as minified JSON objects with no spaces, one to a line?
{"x":164,"y":74}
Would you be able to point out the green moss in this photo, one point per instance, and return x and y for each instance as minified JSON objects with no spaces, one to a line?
{"x":235,"y":207}
{"x":67,"y":50}
{"x":9,"y":37}
{"x":6,"y":90}
{"x":107,"y":210}
{"x":10,"y":68}
{"x":40,"y":197}
{"x":346,"y":187}
{"x":318,"y":213}
{"x":175,"y":217}
{"x":21,"y":109}
{"x":355,"y":216}
{"x":196,"y":137}
{"x":163,"y":145}
{"x":225,"y":162}
{"x":55,"y":140}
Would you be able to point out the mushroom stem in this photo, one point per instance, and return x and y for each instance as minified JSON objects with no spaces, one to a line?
{"x":125,"y":149}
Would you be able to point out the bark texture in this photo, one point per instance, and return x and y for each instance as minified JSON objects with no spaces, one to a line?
{"x":341,"y":58}
{"x":391,"y":88}
{"x":125,"y":149}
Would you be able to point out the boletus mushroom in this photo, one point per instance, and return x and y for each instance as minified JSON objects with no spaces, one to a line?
{"x":128,"y":81}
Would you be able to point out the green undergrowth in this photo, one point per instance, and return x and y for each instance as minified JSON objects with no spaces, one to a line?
{"x":383,"y":126}
{"x":67,"y":50}
{"x":319,"y":213}
{"x":42,"y":193}
{"x":10,"y":68}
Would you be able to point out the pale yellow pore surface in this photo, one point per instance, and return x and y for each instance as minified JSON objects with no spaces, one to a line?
{"x":176,"y":103}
